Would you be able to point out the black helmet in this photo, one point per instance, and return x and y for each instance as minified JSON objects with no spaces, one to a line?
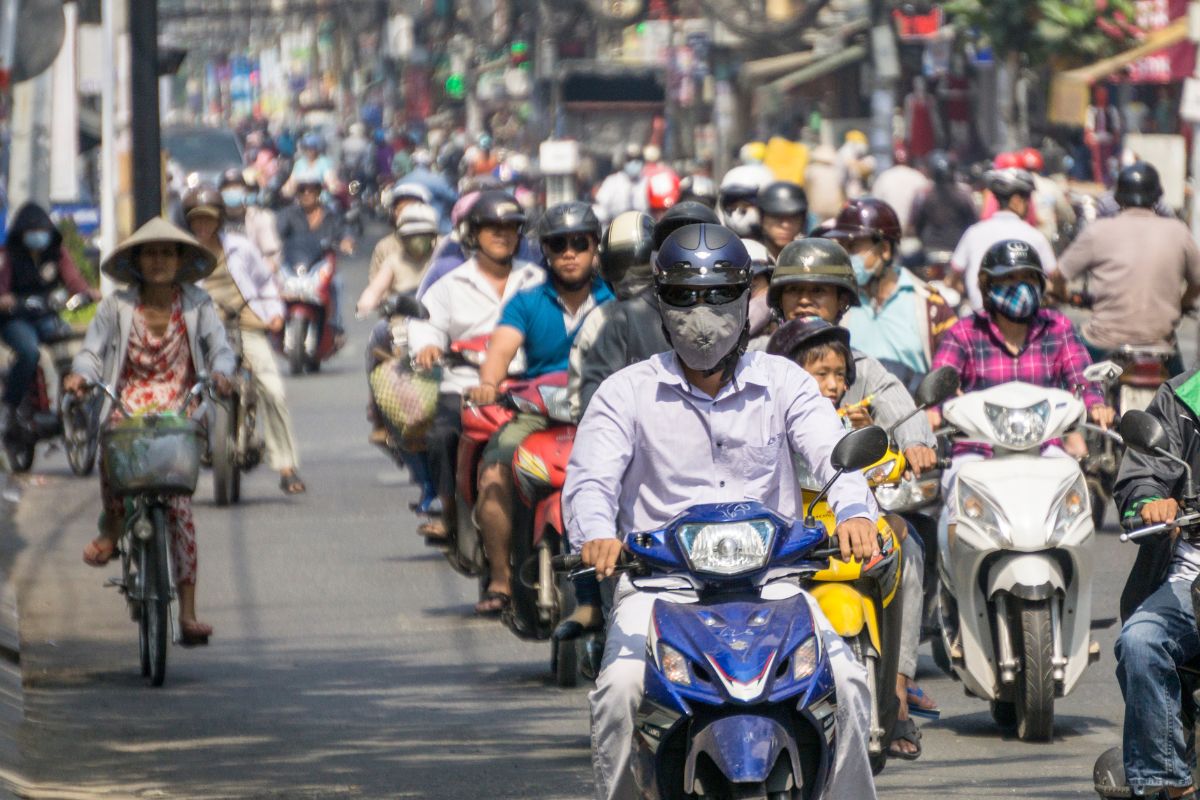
{"x":203,"y":199}
{"x":233,"y":177}
{"x":805,"y":332}
{"x":689,"y":212}
{"x":1138,"y":186}
{"x":782,"y":199}
{"x":1005,"y":183}
{"x":702,"y":255}
{"x":564,"y":218}
{"x":941,"y":167}
{"x":495,"y":207}
{"x":812,"y":260}
{"x":625,"y":249}
{"x":1009,"y":256}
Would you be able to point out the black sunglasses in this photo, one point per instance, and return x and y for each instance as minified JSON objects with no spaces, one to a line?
{"x":687,"y":296}
{"x":559,"y":244}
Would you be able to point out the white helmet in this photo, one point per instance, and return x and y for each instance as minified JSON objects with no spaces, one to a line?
{"x":416,"y":219}
{"x":742,"y":183}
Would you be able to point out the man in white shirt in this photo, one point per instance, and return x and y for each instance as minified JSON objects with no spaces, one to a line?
{"x":1013,"y":189}
{"x":465,"y":304}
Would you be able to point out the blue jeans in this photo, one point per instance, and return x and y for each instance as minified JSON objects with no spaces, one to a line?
{"x":1160,"y":635}
{"x":23,"y":336}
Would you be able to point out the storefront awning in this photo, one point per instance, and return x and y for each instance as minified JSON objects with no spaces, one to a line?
{"x":1070,"y":92}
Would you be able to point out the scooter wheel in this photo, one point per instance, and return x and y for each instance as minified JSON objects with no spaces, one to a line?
{"x":566,"y":663}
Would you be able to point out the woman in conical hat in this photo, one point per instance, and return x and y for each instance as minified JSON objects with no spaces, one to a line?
{"x":150,"y":340}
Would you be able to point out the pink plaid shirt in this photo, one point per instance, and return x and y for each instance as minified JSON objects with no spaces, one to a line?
{"x":1052,"y":356}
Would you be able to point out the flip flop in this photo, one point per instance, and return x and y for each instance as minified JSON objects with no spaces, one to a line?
{"x":493,"y":604}
{"x":905,"y":730}
{"x":194,"y":634}
{"x":291,"y":484}
{"x":915,"y":697}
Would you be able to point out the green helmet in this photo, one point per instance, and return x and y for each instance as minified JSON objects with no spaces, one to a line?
{"x":812,"y":260}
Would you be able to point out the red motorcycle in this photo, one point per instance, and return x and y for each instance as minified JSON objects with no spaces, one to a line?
{"x":308,"y":335}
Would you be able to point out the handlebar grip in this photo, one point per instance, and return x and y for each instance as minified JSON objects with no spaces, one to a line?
{"x":566,"y":562}
{"x":944,"y":463}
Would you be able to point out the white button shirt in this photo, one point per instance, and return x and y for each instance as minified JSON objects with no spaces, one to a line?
{"x":979,"y":237}
{"x":463,"y":305}
{"x":650,"y":445}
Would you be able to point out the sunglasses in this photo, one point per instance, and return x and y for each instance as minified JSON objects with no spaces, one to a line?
{"x":687,"y":296}
{"x":560,"y":244}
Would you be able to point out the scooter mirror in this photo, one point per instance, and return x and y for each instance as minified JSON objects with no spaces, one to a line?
{"x":937,"y":387}
{"x":1142,"y":432}
{"x":1102,"y":372}
{"x":406,"y":305}
{"x":859,"y":449}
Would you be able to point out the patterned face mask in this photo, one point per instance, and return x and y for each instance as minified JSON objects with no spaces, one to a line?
{"x":1018,"y":301}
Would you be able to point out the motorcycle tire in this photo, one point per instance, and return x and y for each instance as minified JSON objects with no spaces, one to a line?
{"x":156,"y":602}
{"x":522,"y":613}
{"x":566,"y":663}
{"x":223,"y":446}
{"x":940,"y":656}
{"x":20,"y":453}
{"x":1035,"y":684}
{"x":1099,"y":502}
{"x":1004,"y":714}
{"x":295,"y":337}
{"x":81,"y":435}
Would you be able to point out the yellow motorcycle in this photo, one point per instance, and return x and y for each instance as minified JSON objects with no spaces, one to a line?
{"x":862,"y":600}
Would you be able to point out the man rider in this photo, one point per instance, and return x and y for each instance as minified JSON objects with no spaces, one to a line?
{"x":543,"y":320}
{"x":901,"y":318}
{"x":1013,"y":189}
{"x":243,"y":287}
{"x":705,"y":422}
{"x":784,"y":210}
{"x":1143,"y":270}
{"x":814,"y":278}
{"x":308,"y":230}
{"x":463,"y":305}
{"x":35,"y":264}
{"x":1159,"y":632}
{"x":242,"y":216}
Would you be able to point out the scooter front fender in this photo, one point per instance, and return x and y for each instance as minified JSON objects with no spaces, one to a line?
{"x":1029,"y":576}
{"x":548,"y":514}
{"x":743,"y":747}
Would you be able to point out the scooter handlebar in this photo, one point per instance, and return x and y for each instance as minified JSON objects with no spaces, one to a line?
{"x":566,"y":562}
{"x":1187,"y":520}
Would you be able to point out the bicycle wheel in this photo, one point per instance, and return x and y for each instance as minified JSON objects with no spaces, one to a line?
{"x":156,"y":608}
{"x":223,"y":445}
{"x":80,"y":419}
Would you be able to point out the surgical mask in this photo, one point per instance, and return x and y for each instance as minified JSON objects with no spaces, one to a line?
{"x":743,"y":221}
{"x":417,"y":248}
{"x":704,"y":334}
{"x":862,"y":275}
{"x":36,"y":240}
{"x":1017,"y":301}
{"x":234,"y":198}
{"x":633,"y":168}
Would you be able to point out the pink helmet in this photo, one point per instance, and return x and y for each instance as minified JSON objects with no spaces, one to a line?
{"x":461,"y":207}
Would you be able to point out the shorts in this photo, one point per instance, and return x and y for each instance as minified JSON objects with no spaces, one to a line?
{"x":503,"y":445}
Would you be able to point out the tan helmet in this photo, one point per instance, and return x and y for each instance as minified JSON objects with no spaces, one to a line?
{"x":812,"y":260}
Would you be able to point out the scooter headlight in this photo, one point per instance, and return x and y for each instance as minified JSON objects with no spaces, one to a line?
{"x":908,"y":495}
{"x":674,"y":665}
{"x":975,"y":507}
{"x":806,"y":658}
{"x":1072,"y":505}
{"x":880,"y":472}
{"x":1019,"y":428}
{"x":727,"y":548}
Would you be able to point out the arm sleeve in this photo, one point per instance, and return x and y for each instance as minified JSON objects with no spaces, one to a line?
{"x":217,"y":351}
{"x":72,"y":278}
{"x":958,"y":261}
{"x":1142,"y":477}
{"x":434,"y":331}
{"x":1077,"y":258}
{"x":1191,"y":258}
{"x":601,"y":454}
{"x":266,"y":285}
{"x":515,"y":314}
{"x":606,"y":355}
{"x":89,"y":361}
{"x":952,"y":352}
{"x":813,"y":430}
{"x":1074,"y":359}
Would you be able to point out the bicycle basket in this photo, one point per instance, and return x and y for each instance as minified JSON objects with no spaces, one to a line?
{"x":153,"y":454}
{"x":407,"y":401}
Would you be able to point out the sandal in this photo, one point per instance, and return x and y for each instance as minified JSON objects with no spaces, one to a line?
{"x":493,"y":604}
{"x":905,"y":731}
{"x":291,"y":484}
{"x":434,"y":531}
{"x":915,"y":698}
{"x":194,"y":633}
{"x":95,"y":554}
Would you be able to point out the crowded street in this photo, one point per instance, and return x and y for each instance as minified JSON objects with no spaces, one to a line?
{"x":350,"y":663}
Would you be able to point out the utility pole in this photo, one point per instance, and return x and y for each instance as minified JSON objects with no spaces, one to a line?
{"x":886,"y":68}
{"x":147,"y":145}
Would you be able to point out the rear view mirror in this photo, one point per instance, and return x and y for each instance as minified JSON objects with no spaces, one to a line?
{"x":1102,"y":372}
{"x":405,"y":305}
{"x":1142,"y":432}
{"x":937,"y":387}
{"x":860,"y":449}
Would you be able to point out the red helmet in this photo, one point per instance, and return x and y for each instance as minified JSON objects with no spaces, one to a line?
{"x":662,"y":189}
{"x":1006,"y":161}
{"x":867,"y":218}
{"x":1031,"y":159}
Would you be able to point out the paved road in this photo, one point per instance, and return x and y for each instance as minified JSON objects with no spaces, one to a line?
{"x":347,"y":662}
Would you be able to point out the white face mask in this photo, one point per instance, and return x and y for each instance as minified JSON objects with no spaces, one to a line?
{"x":743,"y":221}
{"x":703,"y":335}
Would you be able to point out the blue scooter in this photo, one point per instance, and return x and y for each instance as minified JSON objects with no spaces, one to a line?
{"x":739,"y":697}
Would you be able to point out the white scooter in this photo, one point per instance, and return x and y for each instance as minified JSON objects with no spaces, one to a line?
{"x":1015,"y":599}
